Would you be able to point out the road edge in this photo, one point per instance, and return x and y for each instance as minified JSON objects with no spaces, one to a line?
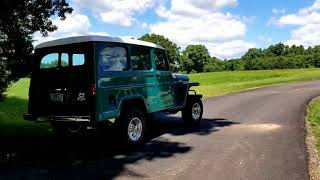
{"x":313,"y":158}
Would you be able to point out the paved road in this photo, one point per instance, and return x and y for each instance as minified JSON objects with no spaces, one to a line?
{"x":256,"y":134}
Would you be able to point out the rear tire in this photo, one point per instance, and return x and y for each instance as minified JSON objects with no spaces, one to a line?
{"x":132,"y":125}
{"x":192,"y":113}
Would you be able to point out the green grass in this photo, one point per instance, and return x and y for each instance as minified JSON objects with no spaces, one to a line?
{"x":313,"y":119}
{"x":11,"y":112}
{"x":212,"y":84}
{"x":218,"y":83}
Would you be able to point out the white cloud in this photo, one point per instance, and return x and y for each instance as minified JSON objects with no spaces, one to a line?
{"x":74,"y":25}
{"x":230,"y":49}
{"x":307,"y":21}
{"x":279,"y":11}
{"x":203,"y":22}
{"x":196,"y":7}
{"x":307,"y":35}
{"x":119,"y":12}
{"x":145,"y":25}
{"x":300,"y":19}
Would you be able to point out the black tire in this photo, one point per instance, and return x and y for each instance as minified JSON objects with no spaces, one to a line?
{"x":68,"y":129}
{"x":134,"y":116}
{"x":187,"y":112}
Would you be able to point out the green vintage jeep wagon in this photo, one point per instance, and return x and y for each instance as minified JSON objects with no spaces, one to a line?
{"x":85,"y":81}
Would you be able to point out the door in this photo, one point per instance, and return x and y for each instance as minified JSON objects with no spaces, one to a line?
{"x":164,"y":79}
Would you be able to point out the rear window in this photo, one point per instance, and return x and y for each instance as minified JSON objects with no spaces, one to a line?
{"x":64,"y":59}
{"x":49,"y":61}
{"x":54,"y":60}
{"x":77,"y":59}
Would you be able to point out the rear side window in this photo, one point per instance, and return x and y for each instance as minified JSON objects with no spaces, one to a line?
{"x":49,"y":61}
{"x":77,"y":59}
{"x":140,"y":58}
{"x":64,"y":59}
{"x":113,"y":58}
{"x":161,"y":61}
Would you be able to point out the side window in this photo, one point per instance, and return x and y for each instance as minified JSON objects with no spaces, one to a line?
{"x":113,"y":58}
{"x":140,"y":58}
{"x":64,"y":59}
{"x":49,"y":61}
{"x":160,"y":60}
{"x":78,"y":59}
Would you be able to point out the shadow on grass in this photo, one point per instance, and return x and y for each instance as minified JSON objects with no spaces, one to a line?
{"x":98,"y":156}
{"x":11,"y":119}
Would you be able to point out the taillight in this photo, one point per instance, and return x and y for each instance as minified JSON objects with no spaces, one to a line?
{"x":93,"y":89}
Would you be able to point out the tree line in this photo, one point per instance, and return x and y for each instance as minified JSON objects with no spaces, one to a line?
{"x":196,"y":58}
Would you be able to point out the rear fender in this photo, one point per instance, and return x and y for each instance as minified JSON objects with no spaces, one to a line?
{"x":134,"y":100}
{"x":112,"y":115}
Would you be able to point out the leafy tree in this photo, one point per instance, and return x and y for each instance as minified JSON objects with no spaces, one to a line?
{"x":198,"y":54}
{"x":172,"y":50}
{"x":252,"y":53}
{"x":297,"y":50}
{"x":4,"y":79}
{"x":187,"y":64}
{"x":278,"y":49}
{"x":214,"y":65}
{"x":19,"y":20}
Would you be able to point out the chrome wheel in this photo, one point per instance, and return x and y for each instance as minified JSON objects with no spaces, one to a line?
{"x":196,"y":111}
{"x":135,"y":129}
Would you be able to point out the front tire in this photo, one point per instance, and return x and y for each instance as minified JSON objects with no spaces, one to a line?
{"x":192,"y":113}
{"x":132,"y":125}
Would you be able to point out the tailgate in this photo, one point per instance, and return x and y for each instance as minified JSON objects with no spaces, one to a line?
{"x":61,"y":82}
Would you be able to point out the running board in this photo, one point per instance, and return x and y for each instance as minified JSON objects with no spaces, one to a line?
{"x":62,"y":119}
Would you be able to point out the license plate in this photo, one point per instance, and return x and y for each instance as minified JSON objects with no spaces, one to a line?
{"x":56,"y":97}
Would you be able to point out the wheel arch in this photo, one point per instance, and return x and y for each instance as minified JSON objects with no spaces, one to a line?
{"x":137,"y":101}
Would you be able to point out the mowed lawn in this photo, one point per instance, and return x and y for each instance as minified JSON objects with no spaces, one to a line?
{"x":11,"y":112}
{"x":218,"y":83}
{"x":212,"y":84}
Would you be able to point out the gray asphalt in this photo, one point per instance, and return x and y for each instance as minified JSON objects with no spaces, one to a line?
{"x":257,"y":134}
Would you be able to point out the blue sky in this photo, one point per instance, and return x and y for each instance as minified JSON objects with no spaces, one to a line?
{"x":228,"y":28}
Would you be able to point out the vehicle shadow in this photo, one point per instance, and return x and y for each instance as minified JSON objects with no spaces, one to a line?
{"x":163,"y":123}
{"x":98,"y":156}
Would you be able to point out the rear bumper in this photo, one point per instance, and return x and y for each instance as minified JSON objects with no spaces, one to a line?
{"x":30,"y":117}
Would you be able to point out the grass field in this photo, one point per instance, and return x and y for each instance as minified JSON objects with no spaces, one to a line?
{"x":212,"y":84}
{"x":313,"y":119}
{"x":11,"y":112}
{"x":218,"y":83}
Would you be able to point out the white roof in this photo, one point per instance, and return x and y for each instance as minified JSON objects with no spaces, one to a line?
{"x":89,"y":38}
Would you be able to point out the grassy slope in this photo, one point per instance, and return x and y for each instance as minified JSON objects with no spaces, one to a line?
{"x":313,"y":138}
{"x":212,"y":84}
{"x":313,"y":119}
{"x":217,"y":83}
{"x":12,"y":109}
